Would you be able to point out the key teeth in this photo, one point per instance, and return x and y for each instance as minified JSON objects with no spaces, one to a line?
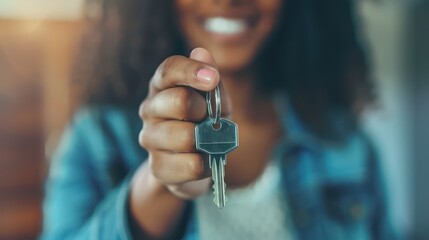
{"x":215,"y":200}
{"x":214,"y":189}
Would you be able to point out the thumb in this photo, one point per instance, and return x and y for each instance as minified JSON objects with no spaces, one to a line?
{"x":202,"y":55}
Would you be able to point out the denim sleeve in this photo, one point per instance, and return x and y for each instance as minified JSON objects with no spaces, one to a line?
{"x":79,"y":201}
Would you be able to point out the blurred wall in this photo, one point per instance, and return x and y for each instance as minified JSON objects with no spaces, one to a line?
{"x":420,"y":68}
{"x":21,"y":134}
{"x":386,"y":26}
{"x":36,"y":55}
{"x":398,"y":33}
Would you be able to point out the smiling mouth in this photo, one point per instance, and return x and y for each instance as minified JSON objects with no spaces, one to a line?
{"x":226,"y":26}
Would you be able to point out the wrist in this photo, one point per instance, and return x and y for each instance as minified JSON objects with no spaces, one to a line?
{"x":154,"y":208}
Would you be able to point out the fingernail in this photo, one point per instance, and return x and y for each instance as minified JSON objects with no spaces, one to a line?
{"x":206,"y":75}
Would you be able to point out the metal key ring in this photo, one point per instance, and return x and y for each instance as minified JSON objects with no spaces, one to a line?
{"x":218,"y":104}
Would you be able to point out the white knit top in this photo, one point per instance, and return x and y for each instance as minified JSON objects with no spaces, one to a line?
{"x":257,"y":211}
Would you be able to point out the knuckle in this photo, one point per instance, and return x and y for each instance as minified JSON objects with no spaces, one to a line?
{"x":166,"y":65}
{"x":145,"y":137}
{"x":144,"y":109}
{"x":154,"y":165}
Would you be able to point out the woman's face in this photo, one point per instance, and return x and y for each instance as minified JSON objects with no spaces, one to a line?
{"x":232,"y":30}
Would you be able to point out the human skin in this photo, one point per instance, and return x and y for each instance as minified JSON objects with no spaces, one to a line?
{"x":175,"y":170}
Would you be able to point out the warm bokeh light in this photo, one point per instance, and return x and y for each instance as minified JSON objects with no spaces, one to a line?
{"x":38,"y":40}
{"x":41,"y":9}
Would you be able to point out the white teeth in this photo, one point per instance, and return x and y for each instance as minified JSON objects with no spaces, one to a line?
{"x":225,"y":25}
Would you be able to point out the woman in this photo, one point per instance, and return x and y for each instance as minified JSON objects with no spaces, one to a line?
{"x":294,"y":79}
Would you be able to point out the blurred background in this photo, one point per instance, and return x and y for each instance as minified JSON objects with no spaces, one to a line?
{"x":39,"y":40}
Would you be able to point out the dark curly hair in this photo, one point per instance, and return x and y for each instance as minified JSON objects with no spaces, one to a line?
{"x":321,"y":64}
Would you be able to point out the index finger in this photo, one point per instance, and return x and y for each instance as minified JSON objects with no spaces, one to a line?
{"x":182,"y":71}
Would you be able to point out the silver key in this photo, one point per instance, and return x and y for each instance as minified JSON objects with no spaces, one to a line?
{"x":216,"y":136}
{"x":217,"y":142}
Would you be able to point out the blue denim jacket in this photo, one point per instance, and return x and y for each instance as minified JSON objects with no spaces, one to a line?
{"x":333,"y":191}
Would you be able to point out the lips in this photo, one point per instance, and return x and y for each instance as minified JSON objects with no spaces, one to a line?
{"x":226,"y":26}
